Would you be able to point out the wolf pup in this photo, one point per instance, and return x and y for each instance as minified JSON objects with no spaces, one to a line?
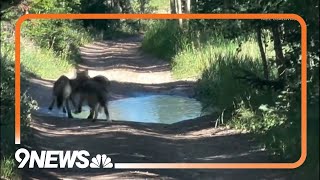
{"x":64,"y":89}
{"x":61,"y":92}
{"x":94,"y":93}
{"x":103,"y":82}
{"x":81,"y":77}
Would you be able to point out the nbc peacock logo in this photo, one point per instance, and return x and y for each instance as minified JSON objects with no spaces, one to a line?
{"x":101,"y":160}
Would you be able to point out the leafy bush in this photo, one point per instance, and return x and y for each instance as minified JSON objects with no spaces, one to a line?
{"x":7,"y":110}
{"x":256,"y":121}
{"x":219,"y":88}
{"x":62,"y":36}
{"x":277,"y":132}
{"x":164,"y":39}
{"x":7,"y":117}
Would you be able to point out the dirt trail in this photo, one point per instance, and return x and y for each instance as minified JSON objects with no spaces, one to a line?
{"x":132,"y":71}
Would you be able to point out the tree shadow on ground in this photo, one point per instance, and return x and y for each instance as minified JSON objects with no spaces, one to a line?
{"x":132,"y":142}
{"x":121,"y":54}
{"x":187,"y":141}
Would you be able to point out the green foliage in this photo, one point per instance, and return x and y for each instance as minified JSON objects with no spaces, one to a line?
{"x":159,"y":6}
{"x":260,"y":121}
{"x":7,"y":168}
{"x":218,"y":87}
{"x":38,"y":60}
{"x":272,"y":115}
{"x":192,"y":61}
{"x":55,"y":6}
{"x":276,"y":131}
{"x":150,"y":6}
{"x":7,"y":108}
{"x":62,"y":36}
{"x":7,"y":111}
{"x":163,"y":39}
{"x":217,"y":51}
{"x":7,"y":117}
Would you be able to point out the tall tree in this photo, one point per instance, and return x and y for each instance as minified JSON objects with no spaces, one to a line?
{"x":173,"y":6}
{"x":262,"y":52}
{"x":188,"y":6}
{"x":280,"y":60}
{"x":179,"y":10}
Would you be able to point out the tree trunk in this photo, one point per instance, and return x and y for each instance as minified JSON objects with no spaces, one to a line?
{"x":263,"y":54}
{"x":142,"y":11}
{"x":280,"y":61}
{"x":176,"y":6}
{"x":188,"y":6}
{"x":188,"y":11}
{"x":111,"y":3}
{"x":173,"y":6}
{"x":179,"y":6}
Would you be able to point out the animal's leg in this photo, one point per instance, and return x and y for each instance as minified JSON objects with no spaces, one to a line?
{"x":52,"y":103}
{"x":73,"y":102}
{"x":91,"y":113}
{"x":79,"y":108}
{"x":106,"y":112}
{"x":96,"y":112}
{"x":68,"y":108}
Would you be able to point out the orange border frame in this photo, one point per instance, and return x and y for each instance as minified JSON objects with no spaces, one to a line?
{"x":182,"y":16}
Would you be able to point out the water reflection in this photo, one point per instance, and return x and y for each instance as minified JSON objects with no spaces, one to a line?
{"x":165,"y":109}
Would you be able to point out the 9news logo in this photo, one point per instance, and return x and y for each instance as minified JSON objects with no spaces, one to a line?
{"x":61,"y":159}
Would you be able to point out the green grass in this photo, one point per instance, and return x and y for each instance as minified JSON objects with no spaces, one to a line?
{"x":192,"y":51}
{"x":258,"y":121}
{"x":218,"y":86}
{"x":192,"y":61}
{"x":151,"y":6}
{"x":163,"y":39}
{"x":43,"y":63}
{"x":8,"y":168}
{"x":161,"y":5}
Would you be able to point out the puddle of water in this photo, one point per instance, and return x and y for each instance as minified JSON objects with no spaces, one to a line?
{"x":155,"y":109}
{"x":152,"y":109}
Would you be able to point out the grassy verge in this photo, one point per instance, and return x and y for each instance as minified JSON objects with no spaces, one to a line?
{"x":192,"y":51}
{"x":8,"y":168}
{"x":163,"y":39}
{"x":43,"y":63}
{"x":192,"y":61}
